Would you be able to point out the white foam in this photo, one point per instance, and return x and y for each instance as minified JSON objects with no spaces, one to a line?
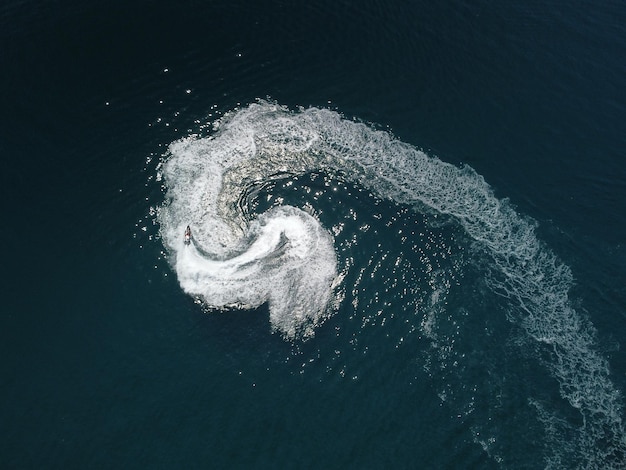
{"x":205,"y":178}
{"x":289,"y":262}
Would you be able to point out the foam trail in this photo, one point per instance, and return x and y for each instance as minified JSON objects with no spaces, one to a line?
{"x":205,"y":178}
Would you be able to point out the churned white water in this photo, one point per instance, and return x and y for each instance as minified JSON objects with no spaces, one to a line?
{"x":286,"y":258}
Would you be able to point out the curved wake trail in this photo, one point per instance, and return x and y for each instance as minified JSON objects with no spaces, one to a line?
{"x":286,"y":258}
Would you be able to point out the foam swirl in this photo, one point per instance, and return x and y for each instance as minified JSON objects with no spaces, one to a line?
{"x":286,"y":258}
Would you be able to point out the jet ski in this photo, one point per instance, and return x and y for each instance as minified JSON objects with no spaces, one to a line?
{"x":187,"y":235}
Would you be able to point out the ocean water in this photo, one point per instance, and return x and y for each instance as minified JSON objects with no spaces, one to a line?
{"x":408,"y":234}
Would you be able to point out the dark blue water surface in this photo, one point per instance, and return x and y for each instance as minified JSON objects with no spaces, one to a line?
{"x":435,"y":355}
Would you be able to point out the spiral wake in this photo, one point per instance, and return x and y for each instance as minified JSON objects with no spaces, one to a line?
{"x":286,"y":258}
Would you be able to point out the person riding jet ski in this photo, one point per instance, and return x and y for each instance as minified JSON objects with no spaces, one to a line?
{"x":187,"y":235}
